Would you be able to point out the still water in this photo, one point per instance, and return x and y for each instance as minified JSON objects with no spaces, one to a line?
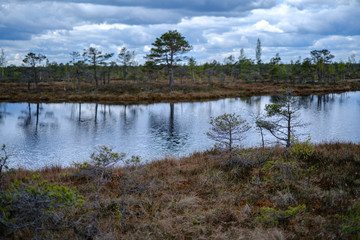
{"x":42,"y":134}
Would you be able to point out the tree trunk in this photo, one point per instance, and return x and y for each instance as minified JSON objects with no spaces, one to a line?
{"x":109,"y":75}
{"x":123,"y":209}
{"x":28,"y":85}
{"x":262,"y":138}
{"x":230,"y":148}
{"x":125,"y":75}
{"x":96,"y":80}
{"x":36,"y":81}
{"x":78,"y":77}
{"x":209,"y":79}
{"x":288,"y":130}
{"x":103,"y":78}
{"x":171,"y":77}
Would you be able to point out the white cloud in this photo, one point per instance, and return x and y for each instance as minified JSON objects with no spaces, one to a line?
{"x":292,"y":27}
{"x":337,"y":42}
{"x":319,"y":3}
{"x":147,"y":48}
{"x":265,"y":26}
{"x":101,"y":27}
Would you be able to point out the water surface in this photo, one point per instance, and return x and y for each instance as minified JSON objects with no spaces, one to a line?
{"x":61,"y":133}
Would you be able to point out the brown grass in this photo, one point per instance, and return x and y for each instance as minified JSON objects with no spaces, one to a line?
{"x":200,"y":197}
{"x":118,"y":92}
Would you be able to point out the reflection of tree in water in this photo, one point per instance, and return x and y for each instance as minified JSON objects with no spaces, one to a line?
{"x":274,"y":99}
{"x":79,"y":119}
{"x":96,"y":113}
{"x":324,"y":100}
{"x":247,"y":100}
{"x":301,"y":101}
{"x":75,"y":112}
{"x":305,"y":101}
{"x":82,"y":116}
{"x":106,"y":113}
{"x":128,"y":116}
{"x":84,"y":113}
{"x":25,"y":117}
{"x":102,"y":113}
{"x":29,"y":119}
{"x":209,"y":107}
{"x":343,"y":97}
{"x":89,"y":118}
{"x":3,"y":112}
{"x":167,"y":130}
{"x":253,"y":102}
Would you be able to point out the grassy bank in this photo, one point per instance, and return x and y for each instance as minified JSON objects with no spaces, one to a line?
{"x":118,"y":92}
{"x":309,"y":192}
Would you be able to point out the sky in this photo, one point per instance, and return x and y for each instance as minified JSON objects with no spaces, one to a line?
{"x":215,"y":28}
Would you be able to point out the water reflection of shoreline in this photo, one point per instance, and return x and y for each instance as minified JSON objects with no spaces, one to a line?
{"x":69,"y":131}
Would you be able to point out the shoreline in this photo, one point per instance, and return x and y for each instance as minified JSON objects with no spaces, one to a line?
{"x":211,"y":151}
{"x":154,"y":93}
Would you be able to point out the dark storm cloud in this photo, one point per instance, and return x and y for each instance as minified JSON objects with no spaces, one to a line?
{"x":215,"y":28}
{"x":22,"y":19}
{"x":199,"y":5}
{"x":338,"y":20}
{"x":19,"y":21}
{"x":211,"y":6}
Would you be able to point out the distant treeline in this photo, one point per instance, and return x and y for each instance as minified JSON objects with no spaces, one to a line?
{"x":94,"y":67}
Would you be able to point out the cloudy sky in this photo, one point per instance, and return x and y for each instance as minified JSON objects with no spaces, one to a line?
{"x":215,"y":28}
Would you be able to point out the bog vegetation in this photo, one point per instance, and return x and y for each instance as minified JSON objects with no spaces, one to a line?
{"x":310,"y":191}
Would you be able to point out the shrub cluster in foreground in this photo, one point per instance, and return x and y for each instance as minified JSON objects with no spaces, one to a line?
{"x":306,"y":192}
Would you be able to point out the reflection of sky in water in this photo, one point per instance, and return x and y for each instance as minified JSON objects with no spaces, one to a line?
{"x":45,"y":134}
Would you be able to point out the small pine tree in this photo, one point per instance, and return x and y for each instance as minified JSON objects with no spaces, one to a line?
{"x":227,"y":130}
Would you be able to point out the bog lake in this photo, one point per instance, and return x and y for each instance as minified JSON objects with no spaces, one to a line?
{"x":45,"y":134}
